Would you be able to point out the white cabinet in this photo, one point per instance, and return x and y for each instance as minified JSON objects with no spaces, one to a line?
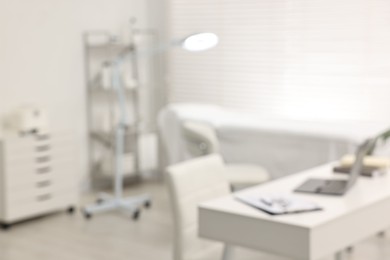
{"x":38,"y":175}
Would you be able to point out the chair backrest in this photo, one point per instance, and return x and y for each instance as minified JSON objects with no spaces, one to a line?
{"x":170,"y":120}
{"x":190,"y":183}
{"x":201,"y":138}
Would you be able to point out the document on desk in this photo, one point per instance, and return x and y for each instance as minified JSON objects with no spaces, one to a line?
{"x":275,"y":204}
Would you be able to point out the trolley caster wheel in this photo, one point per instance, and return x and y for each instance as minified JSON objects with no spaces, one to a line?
{"x":87,"y":215}
{"x":71,"y":210}
{"x":5,"y":226}
{"x":148,"y":204}
{"x":136,"y":214}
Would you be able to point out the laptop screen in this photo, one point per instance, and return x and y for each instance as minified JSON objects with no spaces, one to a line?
{"x":358,"y":164}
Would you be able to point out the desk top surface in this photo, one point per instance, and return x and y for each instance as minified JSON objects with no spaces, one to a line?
{"x":366,"y":192}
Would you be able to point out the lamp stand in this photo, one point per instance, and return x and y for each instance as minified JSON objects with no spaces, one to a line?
{"x":107,"y":202}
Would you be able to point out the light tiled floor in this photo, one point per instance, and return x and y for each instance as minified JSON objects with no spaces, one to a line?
{"x":117,"y":236}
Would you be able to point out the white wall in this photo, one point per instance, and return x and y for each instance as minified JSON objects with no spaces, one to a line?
{"x":297,"y":59}
{"x":41,"y":54}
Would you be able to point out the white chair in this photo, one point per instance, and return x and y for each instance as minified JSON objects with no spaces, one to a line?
{"x":190,"y":183}
{"x":201,"y":139}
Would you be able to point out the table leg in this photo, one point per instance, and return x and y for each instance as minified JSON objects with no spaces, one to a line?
{"x":227,"y":252}
{"x":338,"y":256}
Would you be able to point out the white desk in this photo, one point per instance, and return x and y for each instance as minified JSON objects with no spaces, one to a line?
{"x":362,"y":212}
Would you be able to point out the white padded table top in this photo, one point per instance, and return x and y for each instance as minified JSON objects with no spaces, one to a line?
{"x":281,"y":146}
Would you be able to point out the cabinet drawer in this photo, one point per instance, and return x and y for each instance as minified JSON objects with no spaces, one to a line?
{"x":62,"y":169}
{"x":24,"y":146}
{"x":59,"y":201}
{"x":24,"y":156}
{"x":39,"y":163}
{"x":26,"y":172}
{"x":31,"y":160}
{"x":32,"y":192}
{"x":64,"y":178}
{"x":16,"y":144}
{"x":15,"y":182}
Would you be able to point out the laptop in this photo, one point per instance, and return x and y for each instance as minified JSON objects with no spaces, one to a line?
{"x":335,"y":186}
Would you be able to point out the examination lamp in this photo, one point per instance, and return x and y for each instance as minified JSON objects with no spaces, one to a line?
{"x":200,"y":41}
{"x":194,"y":43}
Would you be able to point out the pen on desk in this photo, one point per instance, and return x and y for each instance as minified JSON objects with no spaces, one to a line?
{"x":267,"y":202}
{"x":281,"y":202}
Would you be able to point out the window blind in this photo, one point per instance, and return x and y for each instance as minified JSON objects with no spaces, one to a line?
{"x":298,"y":59}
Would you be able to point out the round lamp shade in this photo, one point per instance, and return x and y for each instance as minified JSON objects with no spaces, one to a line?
{"x":200,"y":42}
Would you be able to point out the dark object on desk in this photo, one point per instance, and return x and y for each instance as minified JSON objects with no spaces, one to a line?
{"x":324,"y":186}
{"x":367,"y":171}
{"x":278,"y":204}
{"x":338,"y":187}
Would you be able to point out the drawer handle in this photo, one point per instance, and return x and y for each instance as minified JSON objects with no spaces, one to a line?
{"x":43,"y":170}
{"x":42,"y":137}
{"x":43,"y":159}
{"x":42,"y":148}
{"x":42,"y":184}
{"x":44,"y":197}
